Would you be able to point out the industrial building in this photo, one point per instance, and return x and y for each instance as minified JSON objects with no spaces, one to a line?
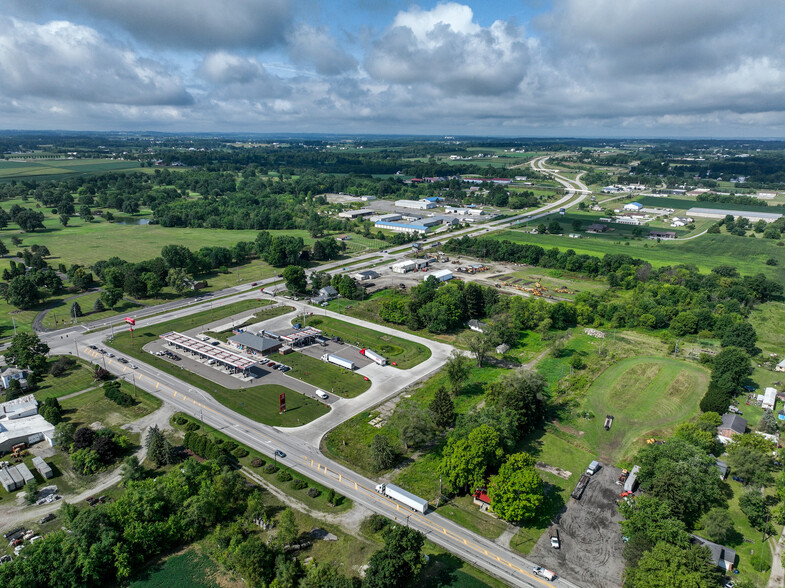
{"x":464,"y":211}
{"x":43,"y":468}
{"x":28,"y":430}
{"x":416,"y":204}
{"x":402,"y":227}
{"x":394,"y":216}
{"x":255,"y":344}
{"x":19,"y":407}
{"x":352,"y":214}
{"x":441,"y":275}
{"x":404,"y":266}
{"x":720,"y":213}
{"x":366,"y":275}
{"x":633,"y":206}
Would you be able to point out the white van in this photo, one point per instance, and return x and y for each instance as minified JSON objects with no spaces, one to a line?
{"x":322,"y":394}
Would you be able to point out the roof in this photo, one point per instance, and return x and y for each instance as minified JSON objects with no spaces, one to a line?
{"x":636,"y":204}
{"x":769,"y":395}
{"x":744,"y":213}
{"x":597,"y":227}
{"x":443,"y":273}
{"x":24,"y":427}
{"x":404,"y":263}
{"x":723,"y":467}
{"x":303,"y":333}
{"x":719,"y":553}
{"x":733,"y":422}
{"x":21,"y":404}
{"x":329,"y":291}
{"x":368,"y":274}
{"x":400,"y":225}
{"x":211,"y":351}
{"x":781,"y":364}
{"x":254,"y":341}
{"x":12,"y":371}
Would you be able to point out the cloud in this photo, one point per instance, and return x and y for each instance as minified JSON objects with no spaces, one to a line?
{"x":64,"y":61}
{"x":446,"y":48}
{"x":312,"y":46}
{"x":199,"y":24}
{"x":223,"y":68}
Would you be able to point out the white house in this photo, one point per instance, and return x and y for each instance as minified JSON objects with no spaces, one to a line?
{"x":13,"y":373}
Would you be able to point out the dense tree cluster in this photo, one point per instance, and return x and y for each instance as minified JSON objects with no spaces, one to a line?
{"x":112,"y":392}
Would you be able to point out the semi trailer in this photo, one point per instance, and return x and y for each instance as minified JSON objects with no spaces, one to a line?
{"x":340,"y":361}
{"x":402,"y":496}
{"x":375,"y":357}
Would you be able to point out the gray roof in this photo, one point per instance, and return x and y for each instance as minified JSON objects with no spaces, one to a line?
{"x":733,"y":422}
{"x":719,"y":553}
{"x":329,"y":291}
{"x":254,"y":341}
{"x":723,"y":467}
{"x":727,"y":211}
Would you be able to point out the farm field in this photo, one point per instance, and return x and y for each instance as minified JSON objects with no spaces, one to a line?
{"x":646,"y":396}
{"x":706,"y":251}
{"x":405,"y":353}
{"x":58,"y":169}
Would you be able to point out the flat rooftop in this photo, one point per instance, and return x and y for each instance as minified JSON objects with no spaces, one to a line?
{"x":211,"y":351}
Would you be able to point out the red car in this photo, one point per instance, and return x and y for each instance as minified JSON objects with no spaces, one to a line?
{"x":254,"y":284}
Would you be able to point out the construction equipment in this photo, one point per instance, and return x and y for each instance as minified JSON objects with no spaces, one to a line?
{"x":18,"y":449}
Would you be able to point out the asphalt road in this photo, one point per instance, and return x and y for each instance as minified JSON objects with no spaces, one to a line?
{"x":302,"y":445}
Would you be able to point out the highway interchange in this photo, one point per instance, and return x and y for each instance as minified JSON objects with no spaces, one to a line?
{"x":301,"y":445}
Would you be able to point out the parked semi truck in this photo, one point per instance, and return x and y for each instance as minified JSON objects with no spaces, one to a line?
{"x":334,"y":359}
{"x":402,"y":496}
{"x":375,"y":357}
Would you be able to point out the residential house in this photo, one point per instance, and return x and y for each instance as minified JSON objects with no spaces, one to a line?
{"x":723,"y":557}
{"x":13,"y":373}
{"x":732,"y":424}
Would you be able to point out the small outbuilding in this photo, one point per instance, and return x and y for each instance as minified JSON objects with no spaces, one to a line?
{"x":442,"y":275}
{"x":43,"y":468}
{"x":769,"y":399}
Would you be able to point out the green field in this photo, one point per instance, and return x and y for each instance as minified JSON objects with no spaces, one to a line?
{"x":259,"y":403}
{"x":405,"y":354}
{"x":76,"y":379}
{"x":706,"y":252}
{"x":768,"y":320}
{"x":91,"y":406}
{"x":647,"y":396}
{"x":326,"y":375}
{"x":59,"y":315}
{"x":684,"y":204}
{"x":58,"y":169}
{"x":183,"y":570}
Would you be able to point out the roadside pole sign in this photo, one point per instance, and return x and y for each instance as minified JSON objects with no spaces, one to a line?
{"x":282,"y":403}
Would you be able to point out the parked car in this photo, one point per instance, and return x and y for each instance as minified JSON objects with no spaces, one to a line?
{"x":47,"y":518}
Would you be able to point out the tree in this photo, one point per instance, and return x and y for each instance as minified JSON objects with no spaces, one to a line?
{"x":715,"y":400}
{"x":457,"y":369}
{"x":399,"y":562}
{"x":741,"y":334}
{"x":730,"y":368}
{"x":480,"y":345}
{"x":27,"y":350}
{"x":85,"y":461}
{"x":131,"y":470}
{"x":704,"y":440}
{"x":383,"y":454}
{"x":179,"y":279}
{"x":64,"y":436}
{"x":76,"y":310}
{"x":675,"y":567}
{"x":178,"y":257}
{"x":287,"y":528}
{"x":750,"y":464}
{"x":753,"y":505}
{"x":29,"y":220}
{"x":768,"y":423}
{"x":442,"y":409}
{"x":111,"y":296}
{"x":413,"y":423}
{"x":466,"y":460}
{"x":51,"y":410}
{"x":159,"y":450}
{"x":294,"y":276}
{"x":22,"y":292}
{"x":31,"y":491}
{"x":98,"y":306}
{"x":64,"y":219}
{"x":254,"y":560}
{"x":3,"y":249}
{"x":718,"y":525}
{"x":14,"y":390}
{"x":522,"y":392}
{"x":517,"y":491}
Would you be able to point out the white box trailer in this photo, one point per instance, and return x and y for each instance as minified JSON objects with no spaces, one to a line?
{"x":339,"y":361}
{"x":402,"y":496}
{"x":375,"y":357}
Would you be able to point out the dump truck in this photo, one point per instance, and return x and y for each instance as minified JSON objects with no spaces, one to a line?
{"x":339,"y":361}
{"x":582,"y":483}
{"x":406,"y":498}
{"x":375,"y":357}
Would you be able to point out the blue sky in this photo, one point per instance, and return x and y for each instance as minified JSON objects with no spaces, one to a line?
{"x":520,"y":67}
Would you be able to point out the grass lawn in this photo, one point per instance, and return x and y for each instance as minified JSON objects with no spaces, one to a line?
{"x":768,"y":319}
{"x":60,"y":314}
{"x":326,"y":375}
{"x":93,"y":406}
{"x":183,"y":570}
{"x":405,"y":354}
{"x":75,"y":379}
{"x":462,"y":510}
{"x":647,"y":396}
{"x":259,"y":315}
{"x":259,"y":402}
{"x":444,"y":570}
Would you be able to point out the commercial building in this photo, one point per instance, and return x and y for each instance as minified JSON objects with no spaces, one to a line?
{"x":402,"y":227}
{"x":255,"y":344}
{"x":19,"y":407}
{"x":223,"y":357}
{"x":28,"y":430}
{"x":386,"y":217}
{"x":634,"y":206}
{"x":365,"y":275}
{"x":43,"y":468}
{"x":464,"y":211}
{"x":404,"y":266}
{"x":416,"y":204}
{"x":720,"y":213}
{"x":356,"y":213}
{"x":441,"y":275}
{"x":300,"y":337}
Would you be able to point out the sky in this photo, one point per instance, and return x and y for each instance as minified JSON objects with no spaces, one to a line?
{"x":578,"y":68}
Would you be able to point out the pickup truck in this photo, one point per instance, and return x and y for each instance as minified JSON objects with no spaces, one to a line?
{"x":543,"y":573}
{"x":555,"y":540}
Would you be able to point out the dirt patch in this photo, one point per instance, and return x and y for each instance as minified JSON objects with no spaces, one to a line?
{"x":591,"y":543}
{"x":553,"y":470}
{"x":568,"y":429}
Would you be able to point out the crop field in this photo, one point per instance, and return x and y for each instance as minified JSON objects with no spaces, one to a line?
{"x":58,"y":169}
{"x":647,"y":396}
{"x":705,"y":252}
{"x":405,"y":353}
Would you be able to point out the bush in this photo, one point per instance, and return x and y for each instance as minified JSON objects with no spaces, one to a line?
{"x":61,"y":366}
{"x":180,"y":420}
{"x":112,"y":392}
{"x":218,"y":440}
{"x":313,"y":492}
{"x":240,"y":452}
{"x":283,"y":476}
{"x":256,"y":462}
{"x":230,"y":445}
{"x":191,"y":426}
{"x":270,"y":468}
{"x":376,"y":523}
{"x":299,"y":484}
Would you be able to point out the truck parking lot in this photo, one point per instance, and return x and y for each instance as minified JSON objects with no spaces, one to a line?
{"x":589,"y":533}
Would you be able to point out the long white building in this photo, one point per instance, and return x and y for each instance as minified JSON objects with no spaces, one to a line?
{"x":416,"y":204}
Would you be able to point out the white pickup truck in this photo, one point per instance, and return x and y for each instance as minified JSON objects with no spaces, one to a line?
{"x":543,"y":573}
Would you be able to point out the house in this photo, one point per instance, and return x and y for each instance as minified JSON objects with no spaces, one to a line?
{"x":481,"y":499}
{"x":780,"y":366}
{"x":633,"y":206}
{"x":328,"y":292}
{"x":343,"y":237}
{"x":662,"y":234}
{"x":596,"y":228}
{"x":732,"y":424}
{"x":723,"y":557}
{"x":769,"y":399}
{"x":477,"y":326}
{"x":13,"y":373}
{"x":723,"y":468}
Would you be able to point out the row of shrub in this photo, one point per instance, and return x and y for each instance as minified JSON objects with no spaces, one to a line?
{"x":112,"y":392}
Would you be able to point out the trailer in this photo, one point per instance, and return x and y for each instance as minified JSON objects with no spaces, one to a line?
{"x":632,"y":480}
{"x":582,"y":483}
{"x":392,"y":491}
{"x":375,"y":357}
{"x":339,"y":361}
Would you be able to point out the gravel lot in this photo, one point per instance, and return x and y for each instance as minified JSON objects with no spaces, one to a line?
{"x":591,"y":543}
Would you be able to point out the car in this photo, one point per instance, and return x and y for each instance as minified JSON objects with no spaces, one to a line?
{"x":215,"y":343}
{"x":47,"y":518}
{"x":93,"y":347}
{"x":132,"y":366}
{"x":738,"y":479}
{"x":10,"y":534}
{"x":270,"y":363}
{"x":110,"y":354}
{"x":122,"y":360}
{"x":255,"y":284}
{"x":286,"y":368}
{"x":15,"y":542}
{"x":102,"y":351}
{"x":321,"y":394}
{"x":5,"y":559}
{"x":175,"y":357}
{"x":91,"y":500}
{"x":279,"y":453}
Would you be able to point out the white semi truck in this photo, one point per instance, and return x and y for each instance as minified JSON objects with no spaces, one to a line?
{"x":375,"y":357}
{"x":340,"y":361}
{"x":402,"y":496}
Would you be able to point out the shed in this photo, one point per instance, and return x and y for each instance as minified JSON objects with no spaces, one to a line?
{"x":633,"y":206}
{"x":366,"y":275}
{"x":25,"y":472}
{"x":723,"y":557}
{"x":780,"y":366}
{"x":769,"y":398}
{"x":43,"y":468}
{"x":441,"y":275}
{"x":502,"y":349}
{"x":17,"y":477}
{"x":723,"y":468}
{"x":7,"y":481}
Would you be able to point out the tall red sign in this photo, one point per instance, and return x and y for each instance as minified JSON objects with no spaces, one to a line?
{"x":282,"y":402}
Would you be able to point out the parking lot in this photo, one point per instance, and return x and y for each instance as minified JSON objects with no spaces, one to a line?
{"x":345,"y":351}
{"x":591,"y":543}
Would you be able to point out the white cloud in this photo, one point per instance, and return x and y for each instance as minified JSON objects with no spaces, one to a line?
{"x":223,"y":68}
{"x":312,"y":46}
{"x":61,"y":60}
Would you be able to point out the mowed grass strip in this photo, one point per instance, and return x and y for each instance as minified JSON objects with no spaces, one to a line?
{"x":327,"y":376}
{"x":76,"y":379}
{"x":646,"y":396}
{"x":405,"y":353}
{"x":93,"y":406}
{"x":59,"y":315}
{"x":259,"y":403}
